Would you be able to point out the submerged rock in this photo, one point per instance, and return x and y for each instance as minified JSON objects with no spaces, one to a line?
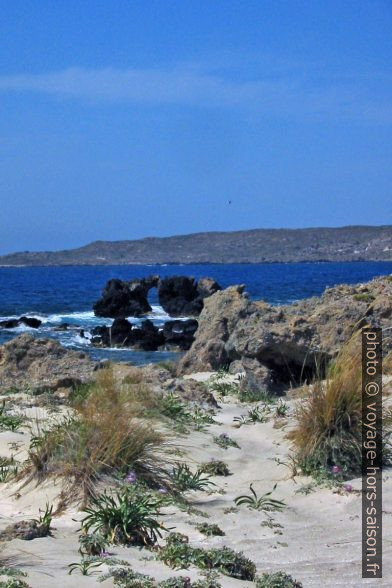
{"x":122,"y":333}
{"x":41,"y":364}
{"x":31,"y":322}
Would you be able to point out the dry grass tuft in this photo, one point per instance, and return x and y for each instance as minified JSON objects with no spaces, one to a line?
{"x":108,"y":435}
{"x":328,"y":428}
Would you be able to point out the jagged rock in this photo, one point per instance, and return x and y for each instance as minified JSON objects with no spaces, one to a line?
{"x":183,"y":296}
{"x":293,"y":341}
{"x":178,"y":295}
{"x":122,"y":299}
{"x":41,"y":364}
{"x":180,"y":333}
{"x":34,"y":323}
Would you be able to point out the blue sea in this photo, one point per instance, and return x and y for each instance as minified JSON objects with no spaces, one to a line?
{"x":58,"y":295}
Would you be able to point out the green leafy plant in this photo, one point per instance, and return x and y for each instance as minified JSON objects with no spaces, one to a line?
{"x":127,"y":517}
{"x":177,"y":553}
{"x":210,"y":530}
{"x":44,"y":520}
{"x":184,"y":479}
{"x":277,"y":580}
{"x":219,"y":384}
{"x":363,"y":297}
{"x":8,"y":469}
{"x":9,"y":422}
{"x":281,"y":408}
{"x":264,"y":502}
{"x":128,"y":578}
{"x":224,"y":441}
{"x":258,"y":414}
{"x":85,"y":566}
{"x":215,"y":467}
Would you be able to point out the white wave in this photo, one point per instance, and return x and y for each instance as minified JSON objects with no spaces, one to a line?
{"x":158,"y":313}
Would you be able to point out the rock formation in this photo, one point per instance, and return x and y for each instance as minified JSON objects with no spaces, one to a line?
{"x":37,"y":365}
{"x":278,"y":345}
{"x":178,"y":296}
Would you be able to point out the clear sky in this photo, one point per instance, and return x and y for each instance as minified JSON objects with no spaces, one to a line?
{"x":128,"y":118}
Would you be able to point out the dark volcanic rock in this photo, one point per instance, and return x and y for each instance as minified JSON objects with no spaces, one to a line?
{"x":178,"y":296}
{"x":122,"y":299}
{"x":180,"y":333}
{"x":34,"y":323}
{"x":183,"y":296}
{"x":123,"y":334}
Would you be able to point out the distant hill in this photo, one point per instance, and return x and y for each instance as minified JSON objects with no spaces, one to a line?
{"x":352,"y":243}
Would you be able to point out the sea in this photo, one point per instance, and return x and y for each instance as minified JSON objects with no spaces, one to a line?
{"x":58,"y":295}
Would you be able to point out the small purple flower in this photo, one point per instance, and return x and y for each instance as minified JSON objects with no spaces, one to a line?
{"x":104,"y":553}
{"x":348,"y":488}
{"x":131,"y":478}
{"x":162,"y":490}
{"x":336,"y":469}
{"x":224,"y":435}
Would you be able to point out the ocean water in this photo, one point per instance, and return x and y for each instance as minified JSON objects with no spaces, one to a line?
{"x":58,"y":295}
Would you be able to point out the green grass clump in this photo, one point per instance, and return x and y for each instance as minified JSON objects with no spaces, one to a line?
{"x":184,"y":479}
{"x":277,"y":580}
{"x":215,"y":467}
{"x":210,"y":530}
{"x":128,"y":517}
{"x":178,"y":554}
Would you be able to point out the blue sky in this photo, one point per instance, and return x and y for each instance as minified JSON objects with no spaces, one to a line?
{"x":132,"y":118}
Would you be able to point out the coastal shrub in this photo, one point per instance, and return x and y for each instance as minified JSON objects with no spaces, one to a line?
{"x":210,"y":530}
{"x":92,"y":544}
{"x":127,"y":516}
{"x":224,"y":441}
{"x":264,"y":502}
{"x":128,"y":578}
{"x":106,"y":436}
{"x":277,"y":580}
{"x":364,"y":297}
{"x":178,"y":554}
{"x":215,"y":467}
{"x":184,"y":479}
{"x":328,"y":430}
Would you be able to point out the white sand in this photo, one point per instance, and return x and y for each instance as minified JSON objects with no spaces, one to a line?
{"x":320,"y":540}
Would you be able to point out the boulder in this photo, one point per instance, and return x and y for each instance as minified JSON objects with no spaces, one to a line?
{"x":39,"y":365}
